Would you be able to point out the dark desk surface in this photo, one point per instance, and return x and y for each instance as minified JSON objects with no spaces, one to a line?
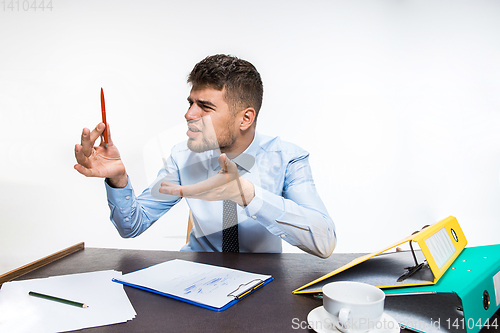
{"x":271,"y":309}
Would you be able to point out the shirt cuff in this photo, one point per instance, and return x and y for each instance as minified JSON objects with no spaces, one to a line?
{"x":266,"y":208}
{"x":120,"y":197}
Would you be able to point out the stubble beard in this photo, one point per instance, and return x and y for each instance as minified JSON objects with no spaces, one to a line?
{"x":223,"y":141}
{"x":204,"y":145}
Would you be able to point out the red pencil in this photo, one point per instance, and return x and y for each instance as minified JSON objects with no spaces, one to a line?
{"x":103,"y":109}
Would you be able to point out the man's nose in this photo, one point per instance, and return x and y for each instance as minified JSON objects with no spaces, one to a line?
{"x":193,"y":113}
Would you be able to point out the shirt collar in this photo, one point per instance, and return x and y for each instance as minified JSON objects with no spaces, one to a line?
{"x":245,"y":160}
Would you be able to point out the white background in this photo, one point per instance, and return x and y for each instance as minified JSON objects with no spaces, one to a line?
{"x":398,"y":103}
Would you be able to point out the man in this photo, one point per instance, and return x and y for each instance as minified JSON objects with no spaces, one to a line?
{"x":247,"y":192}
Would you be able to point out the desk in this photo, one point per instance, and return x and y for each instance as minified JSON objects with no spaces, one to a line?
{"x":272,"y":309}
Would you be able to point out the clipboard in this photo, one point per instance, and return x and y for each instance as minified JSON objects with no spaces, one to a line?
{"x":463,"y":300}
{"x":440,"y":244}
{"x":211,"y":287}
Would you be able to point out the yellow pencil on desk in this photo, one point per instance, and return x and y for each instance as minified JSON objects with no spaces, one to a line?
{"x":57,"y":299}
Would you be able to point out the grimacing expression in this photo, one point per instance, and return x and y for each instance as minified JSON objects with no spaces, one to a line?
{"x":211,"y":123}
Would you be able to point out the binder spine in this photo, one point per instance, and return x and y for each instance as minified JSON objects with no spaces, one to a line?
{"x":479,"y":302}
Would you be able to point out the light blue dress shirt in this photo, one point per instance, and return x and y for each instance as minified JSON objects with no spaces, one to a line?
{"x":286,"y":205}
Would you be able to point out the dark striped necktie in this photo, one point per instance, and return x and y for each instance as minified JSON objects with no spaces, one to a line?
{"x":230,"y":241}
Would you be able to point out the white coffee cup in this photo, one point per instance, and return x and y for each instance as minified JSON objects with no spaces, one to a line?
{"x":353,"y":307}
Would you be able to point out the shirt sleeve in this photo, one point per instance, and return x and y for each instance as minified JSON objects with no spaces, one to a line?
{"x":298,"y":216}
{"x":132,"y":215}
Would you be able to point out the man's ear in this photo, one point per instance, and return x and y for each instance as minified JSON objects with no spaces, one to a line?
{"x":247,"y":118}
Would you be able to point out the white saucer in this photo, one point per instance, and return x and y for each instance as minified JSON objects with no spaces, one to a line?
{"x":317,"y":320}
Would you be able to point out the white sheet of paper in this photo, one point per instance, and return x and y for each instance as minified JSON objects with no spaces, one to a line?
{"x":200,"y":283}
{"x":108,"y":303}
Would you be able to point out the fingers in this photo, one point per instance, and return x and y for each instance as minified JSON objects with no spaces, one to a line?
{"x":190,"y":191}
{"x":80,"y":156}
{"x":83,"y":170}
{"x":84,"y":150}
{"x":216,"y":187}
{"x":88,"y":138}
{"x":85,"y":142}
{"x":97,"y":132}
{"x":172,"y":189}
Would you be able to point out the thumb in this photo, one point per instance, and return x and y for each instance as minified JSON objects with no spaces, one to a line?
{"x":228,"y":166}
{"x":106,"y":131}
{"x":110,"y":141}
{"x":223,"y":162}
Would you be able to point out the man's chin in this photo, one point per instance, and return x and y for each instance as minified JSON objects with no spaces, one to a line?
{"x":199,"y":147}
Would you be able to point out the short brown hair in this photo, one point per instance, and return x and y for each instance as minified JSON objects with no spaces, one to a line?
{"x":240,"y":78}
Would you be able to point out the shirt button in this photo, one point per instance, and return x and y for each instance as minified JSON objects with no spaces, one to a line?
{"x":254,"y":216}
{"x":127,"y":219}
{"x":282,"y":235}
{"x":127,"y":197}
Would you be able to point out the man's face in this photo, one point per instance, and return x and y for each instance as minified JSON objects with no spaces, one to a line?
{"x":211,"y":124}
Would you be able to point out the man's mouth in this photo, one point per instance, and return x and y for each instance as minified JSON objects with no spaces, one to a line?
{"x":192,"y":126}
{"x":193,"y":131}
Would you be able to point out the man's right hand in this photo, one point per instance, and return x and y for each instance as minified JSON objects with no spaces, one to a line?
{"x":100,"y":161}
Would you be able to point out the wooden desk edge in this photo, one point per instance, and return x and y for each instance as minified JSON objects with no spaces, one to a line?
{"x":40,"y":262}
